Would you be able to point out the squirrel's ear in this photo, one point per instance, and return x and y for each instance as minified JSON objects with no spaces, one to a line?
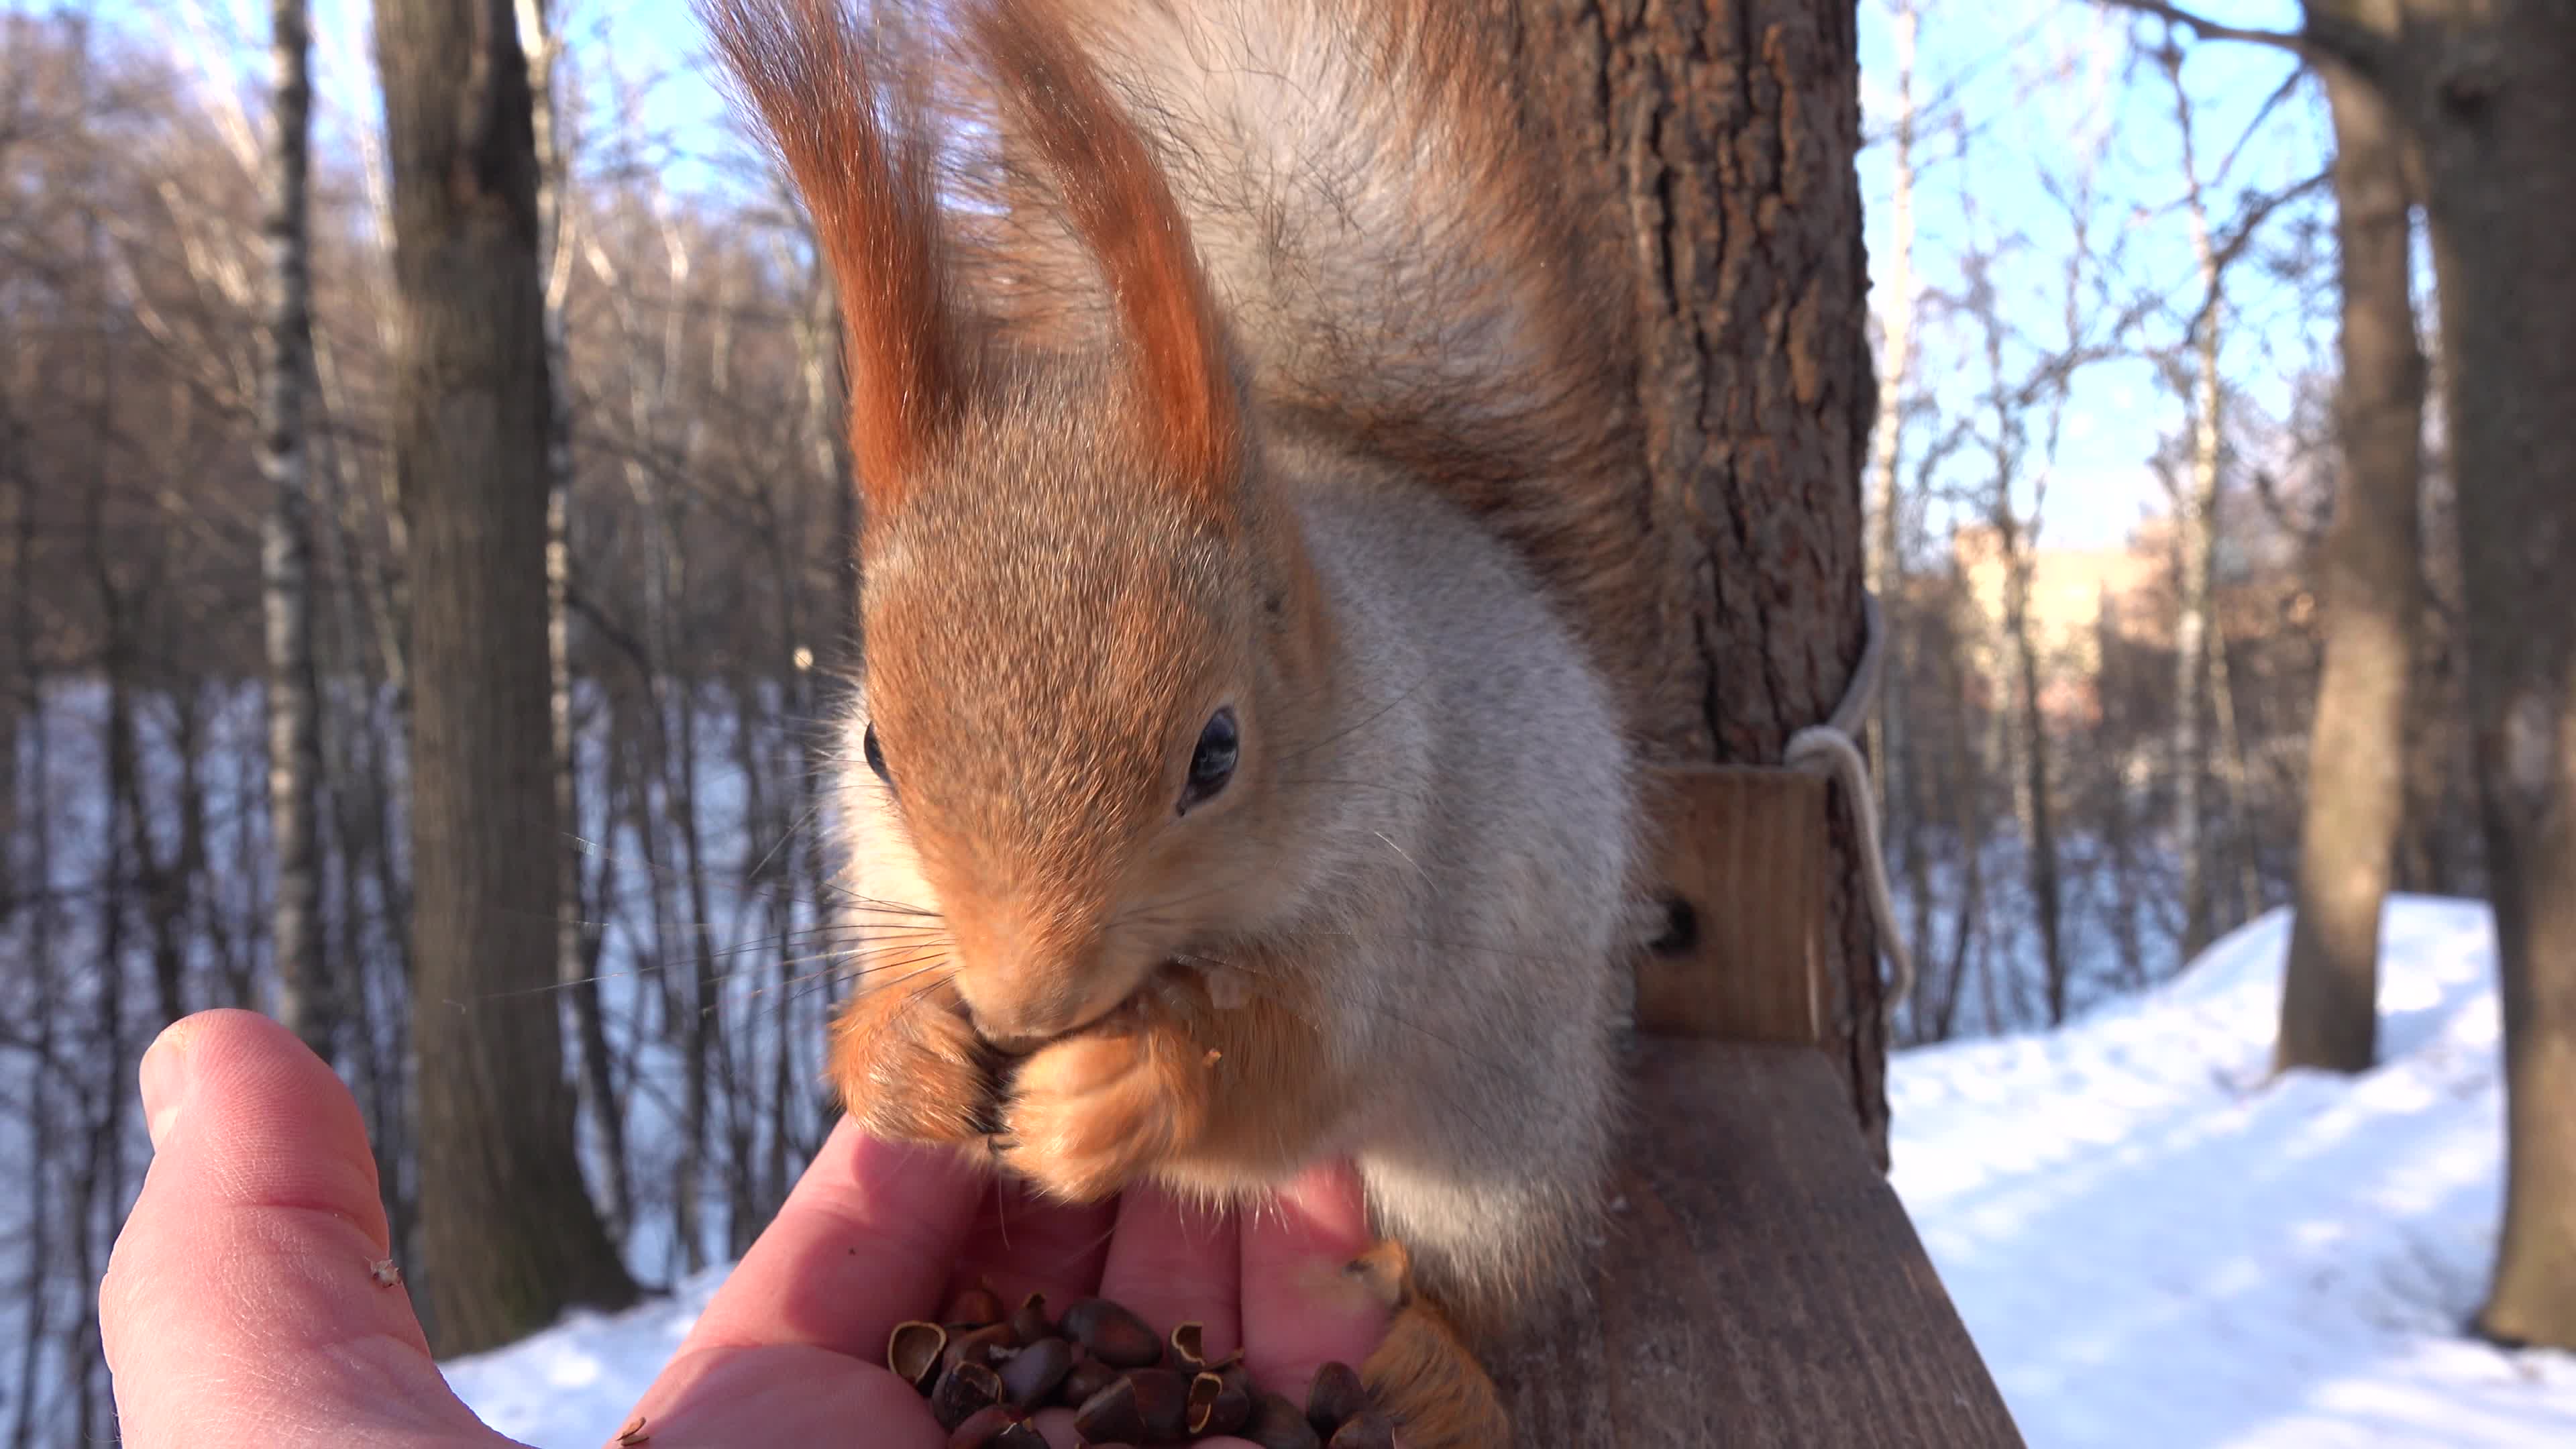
{"x":820,"y":89}
{"x":1118,"y":204}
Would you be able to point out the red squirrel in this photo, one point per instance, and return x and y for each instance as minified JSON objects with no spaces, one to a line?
{"x":1239,"y":774}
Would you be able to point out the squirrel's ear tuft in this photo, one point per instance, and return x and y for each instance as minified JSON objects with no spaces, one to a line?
{"x":1118,"y":204}
{"x":848,"y":138}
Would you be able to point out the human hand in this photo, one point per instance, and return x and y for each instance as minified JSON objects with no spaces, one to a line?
{"x":240,"y":1306}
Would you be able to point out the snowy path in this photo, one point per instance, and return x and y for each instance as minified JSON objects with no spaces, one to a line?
{"x":2153,"y":1249}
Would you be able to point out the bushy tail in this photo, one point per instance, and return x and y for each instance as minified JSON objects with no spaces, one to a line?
{"x":1399,"y":268}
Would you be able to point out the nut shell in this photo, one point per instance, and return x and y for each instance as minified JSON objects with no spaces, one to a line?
{"x":1110,"y":1415}
{"x":1031,"y":1376}
{"x":1113,"y":1334}
{"x":962,"y":1390}
{"x":914,"y":1351}
{"x":1336,"y":1395}
{"x":984,"y":1428}
{"x":973,"y":1308}
{"x":1277,"y":1423}
{"x":1029,"y":1321}
{"x":991,"y":1345}
{"x":1088,"y":1377}
{"x":1163,"y":1402}
{"x":1217,"y":1407}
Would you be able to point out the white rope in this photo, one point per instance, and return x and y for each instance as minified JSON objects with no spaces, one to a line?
{"x":1831,"y":746}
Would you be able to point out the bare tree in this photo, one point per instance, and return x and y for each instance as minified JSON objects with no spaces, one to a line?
{"x":2021,"y":450}
{"x":2356,"y":798}
{"x":2477,"y":88}
{"x":2195,"y":523}
{"x":508,"y":1230}
{"x":2204,"y":692}
{"x":304,"y":996}
{"x":1886,"y":443}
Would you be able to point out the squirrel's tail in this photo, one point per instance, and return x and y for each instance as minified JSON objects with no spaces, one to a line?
{"x":1401,"y":270}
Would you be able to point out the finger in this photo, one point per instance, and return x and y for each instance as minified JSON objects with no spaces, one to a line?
{"x":785,"y":1396}
{"x":862,"y":1243}
{"x":1023,"y":1244}
{"x":1176,"y":1262}
{"x":1300,"y":1310}
{"x":241,"y":1302}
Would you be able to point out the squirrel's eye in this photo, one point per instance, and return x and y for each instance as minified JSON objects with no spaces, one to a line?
{"x":876,"y":756}
{"x":1212,"y":763}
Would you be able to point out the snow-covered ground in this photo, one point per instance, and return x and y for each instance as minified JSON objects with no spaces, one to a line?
{"x":2154,"y":1246}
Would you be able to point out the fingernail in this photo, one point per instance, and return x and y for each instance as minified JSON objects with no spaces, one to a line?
{"x":165,"y":1081}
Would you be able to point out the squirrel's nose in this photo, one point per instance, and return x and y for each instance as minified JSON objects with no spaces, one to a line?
{"x":1018,"y":1027}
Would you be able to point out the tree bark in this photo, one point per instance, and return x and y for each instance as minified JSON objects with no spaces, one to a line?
{"x":575,"y":968}
{"x":2357,"y":746}
{"x":304,"y":1001}
{"x":2031,"y":779}
{"x":509,"y":1234}
{"x":1718,"y":143}
{"x":2480,"y":89}
{"x":2484,"y":86}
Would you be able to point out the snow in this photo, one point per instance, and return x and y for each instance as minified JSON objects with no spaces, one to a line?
{"x":572,"y":1385}
{"x":2152,"y":1244}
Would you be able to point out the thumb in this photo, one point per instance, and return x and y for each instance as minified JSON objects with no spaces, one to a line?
{"x":242,"y":1303}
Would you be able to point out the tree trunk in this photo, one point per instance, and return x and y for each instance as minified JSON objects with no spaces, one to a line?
{"x":1719,"y":143}
{"x":2357,"y":746}
{"x":2484,"y":86}
{"x":2032,"y":805}
{"x":2195,"y":525}
{"x":44,"y":1180}
{"x":575,"y":968}
{"x":304,"y":998}
{"x":509,"y":1234}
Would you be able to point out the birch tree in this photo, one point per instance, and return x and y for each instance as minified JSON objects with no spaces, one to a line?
{"x":286,"y":549}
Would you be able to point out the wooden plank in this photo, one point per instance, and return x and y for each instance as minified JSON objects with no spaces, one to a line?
{"x":1760,"y":1284}
{"x":1746,"y":851}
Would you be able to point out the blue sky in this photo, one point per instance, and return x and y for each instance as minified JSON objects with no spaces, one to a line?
{"x":1994,"y":59}
{"x":2031,"y":82}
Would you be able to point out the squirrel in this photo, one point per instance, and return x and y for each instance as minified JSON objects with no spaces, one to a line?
{"x":1239,"y":772}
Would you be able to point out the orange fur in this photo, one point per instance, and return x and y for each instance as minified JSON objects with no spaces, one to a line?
{"x":1423,"y":1373}
{"x":906,"y":1063}
{"x":1548,"y":450}
{"x":813,"y":80}
{"x":1086,"y":535}
{"x":1090,"y":1113}
{"x":1123,"y":211}
{"x":1205,"y":1100}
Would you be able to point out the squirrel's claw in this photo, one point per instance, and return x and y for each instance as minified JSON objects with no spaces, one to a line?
{"x":909,"y":1067}
{"x":1088,"y":1114}
{"x":1423,"y":1374}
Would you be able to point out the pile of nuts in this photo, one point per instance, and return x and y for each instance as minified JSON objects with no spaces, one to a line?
{"x":986,"y":1372}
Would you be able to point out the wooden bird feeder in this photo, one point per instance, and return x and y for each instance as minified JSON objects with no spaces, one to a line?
{"x":1760,"y":1283}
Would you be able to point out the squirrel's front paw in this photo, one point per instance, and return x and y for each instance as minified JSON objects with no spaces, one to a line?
{"x":1423,"y":1374}
{"x":909,"y":1066}
{"x":1086,"y":1114}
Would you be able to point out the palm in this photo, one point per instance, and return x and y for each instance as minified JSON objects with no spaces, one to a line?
{"x":239,"y":1309}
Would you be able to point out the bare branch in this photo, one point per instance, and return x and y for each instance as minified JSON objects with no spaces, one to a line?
{"x":2324,"y":37}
